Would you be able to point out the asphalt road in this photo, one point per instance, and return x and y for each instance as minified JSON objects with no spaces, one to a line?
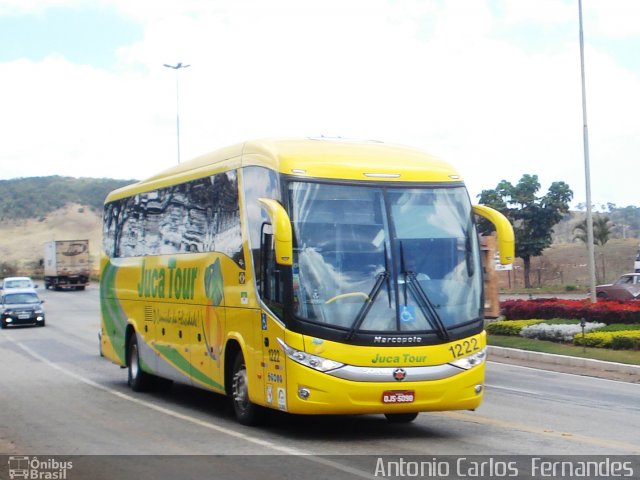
{"x":59,"y":397}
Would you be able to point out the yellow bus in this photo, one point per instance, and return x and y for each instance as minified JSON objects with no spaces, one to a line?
{"x":311,"y":276}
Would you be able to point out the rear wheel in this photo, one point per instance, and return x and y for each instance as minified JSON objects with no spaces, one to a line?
{"x":246,"y":412}
{"x":138,"y":379}
{"x":601,"y":295}
{"x":401,"y":417}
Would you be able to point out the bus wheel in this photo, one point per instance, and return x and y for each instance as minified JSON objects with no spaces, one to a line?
{"x":246,"y":412}
{"x":138,"y":379}
{"x":401,"y":417}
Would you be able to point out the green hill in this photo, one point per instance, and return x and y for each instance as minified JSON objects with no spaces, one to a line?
{"x":35,"y":197}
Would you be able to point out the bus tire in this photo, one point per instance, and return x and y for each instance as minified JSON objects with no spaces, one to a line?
{"x":138,"y":379}
{"x":401,"y":417}
{"x":247,"y":413}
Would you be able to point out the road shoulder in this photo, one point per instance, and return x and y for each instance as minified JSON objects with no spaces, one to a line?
{"x":560,"y":363}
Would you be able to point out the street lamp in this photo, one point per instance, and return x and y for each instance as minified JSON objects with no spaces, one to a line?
{"x":177,"y":67}
{"x":587,"y":174}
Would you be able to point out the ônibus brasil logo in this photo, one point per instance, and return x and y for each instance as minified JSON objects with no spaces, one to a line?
{"x":37,"y":469}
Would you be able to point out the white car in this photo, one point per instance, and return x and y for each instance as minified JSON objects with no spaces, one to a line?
{"x":18,"y":282}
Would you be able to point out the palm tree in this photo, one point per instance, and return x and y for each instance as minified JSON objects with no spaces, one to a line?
{"x":602,"y":230}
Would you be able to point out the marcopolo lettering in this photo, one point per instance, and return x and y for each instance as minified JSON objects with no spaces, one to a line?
{"x":380,"y":339}
{"x":167,"y":282}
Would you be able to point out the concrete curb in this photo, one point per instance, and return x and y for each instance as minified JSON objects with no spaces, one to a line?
{"x":553,"y":359}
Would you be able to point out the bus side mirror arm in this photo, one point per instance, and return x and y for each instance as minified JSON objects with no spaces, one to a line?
{"x":283,"y":237}
{"x":506,"y":239}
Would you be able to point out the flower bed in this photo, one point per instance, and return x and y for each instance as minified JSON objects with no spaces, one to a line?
{"x":596,"y":334}
{"x":608,"y":311}
{"x":557,"y":333}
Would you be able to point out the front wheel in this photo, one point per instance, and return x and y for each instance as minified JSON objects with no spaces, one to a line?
{"x":401,"y":417}
{"x":138,"y":379}
{"x":247,"y":413}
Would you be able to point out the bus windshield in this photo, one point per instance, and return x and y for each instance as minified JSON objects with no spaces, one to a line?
{"x":384,"y":259}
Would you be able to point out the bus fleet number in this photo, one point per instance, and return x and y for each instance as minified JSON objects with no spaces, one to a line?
{"x":464,"y":348}
{"x":274,"y":355}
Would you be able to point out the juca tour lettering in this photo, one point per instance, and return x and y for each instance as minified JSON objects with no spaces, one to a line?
{"x":167,"y":282}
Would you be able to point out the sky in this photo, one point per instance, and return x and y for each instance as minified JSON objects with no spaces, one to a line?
{"x":492,"y":86}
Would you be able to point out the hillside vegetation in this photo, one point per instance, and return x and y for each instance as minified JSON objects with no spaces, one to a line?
{"x":35,"y":197}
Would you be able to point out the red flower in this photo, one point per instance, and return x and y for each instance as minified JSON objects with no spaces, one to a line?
{"x":606,"y":311}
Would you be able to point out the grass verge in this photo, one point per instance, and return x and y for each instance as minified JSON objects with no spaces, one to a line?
{"x":631,"y":357}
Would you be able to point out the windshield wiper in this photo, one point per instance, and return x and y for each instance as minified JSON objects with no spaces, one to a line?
{"x":426,"y":307}
{"x":368,"y":303}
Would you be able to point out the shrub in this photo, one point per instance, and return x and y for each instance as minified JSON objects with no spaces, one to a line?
{"x":510,"y":327}
{"x":625,"y":340}
{"x":557,"y":333}
{"x":618,"y":327}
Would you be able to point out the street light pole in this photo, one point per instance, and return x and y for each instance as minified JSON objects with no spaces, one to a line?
{"x":587,"y":174}
{"x":177,"y":67}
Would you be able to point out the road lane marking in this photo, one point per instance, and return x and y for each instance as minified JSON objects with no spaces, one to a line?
{"x":187,"y":418}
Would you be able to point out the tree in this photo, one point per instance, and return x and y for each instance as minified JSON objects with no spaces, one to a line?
{"x":602,"y":230}
{"x":532,"y":217}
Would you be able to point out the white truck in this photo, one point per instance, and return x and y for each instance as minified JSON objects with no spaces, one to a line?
{"x":637,"y":262}
{"x":66,"y":264}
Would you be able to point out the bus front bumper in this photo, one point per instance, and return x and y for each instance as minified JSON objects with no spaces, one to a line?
{"x":313,"y":392}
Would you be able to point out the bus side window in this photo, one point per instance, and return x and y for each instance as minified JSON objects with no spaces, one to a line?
{"x":271,"y":287}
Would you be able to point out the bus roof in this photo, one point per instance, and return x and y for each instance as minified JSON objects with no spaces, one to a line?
{"x":328,"y":158}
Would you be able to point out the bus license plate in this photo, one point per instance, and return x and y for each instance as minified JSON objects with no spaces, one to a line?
{"x":398,"y":396}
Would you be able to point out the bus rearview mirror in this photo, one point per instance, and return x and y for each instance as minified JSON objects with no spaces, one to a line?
{"x":283,"y":238}
{"x":506,"y":240}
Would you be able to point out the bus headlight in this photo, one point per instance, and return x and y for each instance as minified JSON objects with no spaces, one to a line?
{"x":312,"y":361}
{"x":471,"y":361}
